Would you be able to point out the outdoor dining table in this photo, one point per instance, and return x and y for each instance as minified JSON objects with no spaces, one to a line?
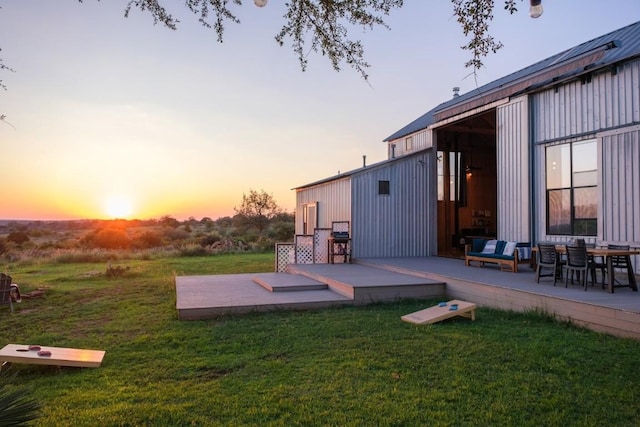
{"x":608,"y":254}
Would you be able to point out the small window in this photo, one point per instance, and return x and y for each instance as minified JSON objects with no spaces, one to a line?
{"x":408,"y":143}
{"x":383,"y":187}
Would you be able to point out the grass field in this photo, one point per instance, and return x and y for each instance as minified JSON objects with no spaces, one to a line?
{"x":349,"y":366}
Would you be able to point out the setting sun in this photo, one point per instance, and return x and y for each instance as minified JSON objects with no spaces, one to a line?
{"x":118,"y":207}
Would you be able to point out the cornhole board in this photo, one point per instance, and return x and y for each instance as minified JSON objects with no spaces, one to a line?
{"x":16,"y":353}
{"x":441,"y":312}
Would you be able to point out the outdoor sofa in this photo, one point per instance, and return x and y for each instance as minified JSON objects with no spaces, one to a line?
{"x":506,"y":254}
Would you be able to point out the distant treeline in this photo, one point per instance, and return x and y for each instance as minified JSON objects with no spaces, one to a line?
{"x":20,"y":238}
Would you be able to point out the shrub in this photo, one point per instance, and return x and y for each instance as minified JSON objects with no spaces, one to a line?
{"x":17,"y":407}
{"x":108,"y":238}
{"x":210,"y":239}
{"x":174,"y":234}
{"x":193,"y":250}
{"x":18,"y":237}
{"x":148,"y":239}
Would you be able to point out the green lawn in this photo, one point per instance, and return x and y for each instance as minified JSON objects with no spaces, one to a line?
{"x":349,"y":366}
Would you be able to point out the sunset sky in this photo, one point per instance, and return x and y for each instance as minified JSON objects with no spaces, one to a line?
{"x":110,"y":116}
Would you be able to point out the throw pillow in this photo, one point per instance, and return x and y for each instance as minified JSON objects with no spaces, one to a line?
{"x":524,"y":250}
{"x":490,"y":247}
{"x":477,"y":245}
{"x":509,"y":248}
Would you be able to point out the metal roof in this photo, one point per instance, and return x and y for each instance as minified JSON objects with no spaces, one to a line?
{"x":604,"y":51}
{"x":358,"y":170}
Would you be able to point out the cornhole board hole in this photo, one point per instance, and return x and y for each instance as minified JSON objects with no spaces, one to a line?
{"x":58,"y":356}
{"x":442,"y":311}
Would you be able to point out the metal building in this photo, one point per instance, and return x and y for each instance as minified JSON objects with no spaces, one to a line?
{"x":548,"y":153}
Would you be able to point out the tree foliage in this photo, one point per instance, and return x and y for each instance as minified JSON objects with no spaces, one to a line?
{"x":256,"y":210}
{"x":323,"y":25}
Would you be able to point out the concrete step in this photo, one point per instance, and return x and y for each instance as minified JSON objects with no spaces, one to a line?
{"x":367,"y":284}
{"x":285,"y":282}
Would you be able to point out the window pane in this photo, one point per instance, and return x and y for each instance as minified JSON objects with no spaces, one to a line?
{"x":440,"y":187}
{"x":585,"y":227}
{"x":440,"y":167}
{"x":559,"y":166}
{"x":585,"y":163}
{"x":585,"y":202}
{"x":408,"y":143}
{"x":452,"y":176}
{"x":559,"y":203}
{"x":383,"y":187}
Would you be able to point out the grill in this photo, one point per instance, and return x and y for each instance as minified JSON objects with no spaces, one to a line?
{"x":340,"y":236}
{"x":339,"y":246}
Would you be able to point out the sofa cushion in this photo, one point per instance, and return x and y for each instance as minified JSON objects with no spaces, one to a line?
{"x":477,"y":245}
{"x":509,"y":248}
{"x":500,"y":256}
{"x":490,"y":247}
{"x":490,"y":256}
{"x":500,"y":247}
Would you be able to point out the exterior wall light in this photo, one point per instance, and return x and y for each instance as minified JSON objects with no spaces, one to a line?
{"x":535,"y":11}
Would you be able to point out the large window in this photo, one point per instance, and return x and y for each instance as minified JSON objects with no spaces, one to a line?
{"x":572,"y":189}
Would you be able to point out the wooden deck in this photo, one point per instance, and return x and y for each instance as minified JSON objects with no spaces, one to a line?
{"x":309,"y":286}
{"x":616,"y":314}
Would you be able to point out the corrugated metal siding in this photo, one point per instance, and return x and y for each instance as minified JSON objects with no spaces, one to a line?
{"x":402,"y":223}
{"x":420,"y":141}
{"x":514,"y":211}
{"x":334,"y":202}
{"x":608,"y":101}
{"x":601,"y":108}
{"x":620,"y":186}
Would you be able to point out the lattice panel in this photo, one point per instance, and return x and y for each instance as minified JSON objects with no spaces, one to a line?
{"x":304,"y":249}
{"x":285,"y":255}
{"x":340,"y":226}
{"x":320,"y":245}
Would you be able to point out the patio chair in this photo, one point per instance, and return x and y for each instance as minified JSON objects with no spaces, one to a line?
{"x":577,"y":262}
{"x":596,"y":263}
{"x":619,"y":261}
{"x":548,"y":259}
{"x":7,"y":290}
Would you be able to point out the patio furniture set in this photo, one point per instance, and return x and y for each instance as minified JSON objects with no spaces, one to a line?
{"x":580,"y":260}
{"x":575,"y":261}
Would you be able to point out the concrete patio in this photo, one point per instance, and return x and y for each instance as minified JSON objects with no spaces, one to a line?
{"x":312,"y":286}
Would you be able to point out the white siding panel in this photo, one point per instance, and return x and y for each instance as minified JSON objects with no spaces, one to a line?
{"x":334,"y":202}
{"x":513,"y":172}
{"x":621,"y":187}
{"x":610,"y":100}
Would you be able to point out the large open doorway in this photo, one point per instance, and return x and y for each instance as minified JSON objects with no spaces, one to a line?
{"x":467,"y":182}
